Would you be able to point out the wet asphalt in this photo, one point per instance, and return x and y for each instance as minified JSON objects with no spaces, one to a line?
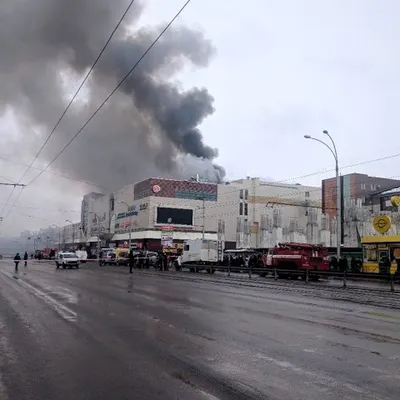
{"x":101,"y":333}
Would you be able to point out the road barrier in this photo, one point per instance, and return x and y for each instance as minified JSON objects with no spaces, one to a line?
{"x":277,"y":273}
{"x":307,"y":275}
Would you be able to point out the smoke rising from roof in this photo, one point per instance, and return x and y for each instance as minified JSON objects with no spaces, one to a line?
{"x":149,"y":127}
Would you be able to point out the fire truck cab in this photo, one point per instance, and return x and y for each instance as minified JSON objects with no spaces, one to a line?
{"x":291,"y":257}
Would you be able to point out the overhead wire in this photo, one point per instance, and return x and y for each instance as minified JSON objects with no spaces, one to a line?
{"x":105,"y":100}
{"x":342,"y":167}
{"x":118,"y":86}
{"x":67,"y":108}
{"x":113,"y":91}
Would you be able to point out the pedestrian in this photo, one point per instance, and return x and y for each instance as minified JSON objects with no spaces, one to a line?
{"x":131,"y":261}
{"x":25,"y":259}
{"x":17,"y":259}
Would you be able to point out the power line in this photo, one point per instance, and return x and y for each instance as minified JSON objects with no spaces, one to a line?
{"x":113,"y":91}
{"x":7,"y":179}
{"x":80,"y":87}
{"x":341,"y":168}
{"x":69,"y":105}
{"x":56,"y":174}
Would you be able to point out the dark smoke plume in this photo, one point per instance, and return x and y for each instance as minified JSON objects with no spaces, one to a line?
{"x":149,"y":128}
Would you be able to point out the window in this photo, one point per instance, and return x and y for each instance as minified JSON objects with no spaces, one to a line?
{"x":241,"y":209}
{"x":246,"y":194}
{"x":246,"y":209}
{"x":363,"y":186}
{"x":372,"y":186}
{"x":370,"y":253}
{"x":241,"y":194}
{"x":186,"y":247}
{"x":307,"y":194}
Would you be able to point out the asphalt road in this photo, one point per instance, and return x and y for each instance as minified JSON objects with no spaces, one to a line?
{"x":104,"y":334}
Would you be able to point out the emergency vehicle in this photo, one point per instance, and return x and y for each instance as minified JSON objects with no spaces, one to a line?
{"x":288,"y":258}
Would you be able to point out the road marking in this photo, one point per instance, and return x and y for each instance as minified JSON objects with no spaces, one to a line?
{"x":65,"y":312}
{"x":207,"y":395}
{"x":62,"y":310}
{"x":315,"y":376}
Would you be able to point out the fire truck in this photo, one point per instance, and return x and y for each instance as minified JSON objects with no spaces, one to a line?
{"x":288,"y":258}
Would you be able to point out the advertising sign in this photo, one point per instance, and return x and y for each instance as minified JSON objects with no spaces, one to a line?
{"x":382,"y":223}
{"x":167,"y":236}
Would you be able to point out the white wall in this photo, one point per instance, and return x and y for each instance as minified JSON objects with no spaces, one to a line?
{"x":262,"y":198}
{"x":99,"y":216}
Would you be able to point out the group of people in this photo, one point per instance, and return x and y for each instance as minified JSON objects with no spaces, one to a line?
{"x":343,"y":264}
{"x":17,"y":260}
{"x":136,"y":261}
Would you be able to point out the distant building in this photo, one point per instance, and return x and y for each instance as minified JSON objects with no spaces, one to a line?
{"x":355,"y":190}
{"x":87,"y":209}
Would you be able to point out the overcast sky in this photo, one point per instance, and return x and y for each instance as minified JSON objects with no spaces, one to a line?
{"x":281,"y":69}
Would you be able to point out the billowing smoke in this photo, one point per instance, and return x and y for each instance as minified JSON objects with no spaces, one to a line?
{"x":150,"y":127}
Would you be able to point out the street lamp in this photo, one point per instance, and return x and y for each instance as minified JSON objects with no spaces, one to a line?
{"x":73,"y":233}
{"x":338,"y":194}
{"x":130,"y":221}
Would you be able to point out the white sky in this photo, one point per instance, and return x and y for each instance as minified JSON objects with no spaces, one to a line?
{"x":282,"y":69}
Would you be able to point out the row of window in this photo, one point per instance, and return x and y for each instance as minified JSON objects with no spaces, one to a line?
{"x":244,"y":194}
{"x":243,"y":209}
{"x":195,"y":195}
{"x":373,"y":186}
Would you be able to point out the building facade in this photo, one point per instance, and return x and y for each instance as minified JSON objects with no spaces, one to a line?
{"x":356,"y":191}
{"x":262,"y":214}
{"x":90,"y":203}
{"x":160,"y":208}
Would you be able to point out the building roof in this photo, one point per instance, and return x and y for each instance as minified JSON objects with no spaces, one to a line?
{"x":390,"y":191}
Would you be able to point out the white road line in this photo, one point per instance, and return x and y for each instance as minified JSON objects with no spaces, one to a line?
{"x":316,"y":376}
{"x":61,"y":309}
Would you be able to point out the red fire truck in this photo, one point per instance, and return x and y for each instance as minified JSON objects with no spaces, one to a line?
{"x":288,"y":258}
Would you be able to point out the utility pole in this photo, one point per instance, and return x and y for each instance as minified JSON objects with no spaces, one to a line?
{"x":204,"y":219}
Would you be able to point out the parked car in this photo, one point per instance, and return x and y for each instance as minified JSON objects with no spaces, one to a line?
{"x":65,"y":260}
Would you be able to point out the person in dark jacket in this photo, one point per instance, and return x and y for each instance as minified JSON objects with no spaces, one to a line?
{"x":17,"y":259}
{"x":25,"y":259}
{"x":343,"y":264}
{"x":131,"y":261}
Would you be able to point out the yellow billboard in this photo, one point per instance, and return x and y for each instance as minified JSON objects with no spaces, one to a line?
{"x":382,"y":223}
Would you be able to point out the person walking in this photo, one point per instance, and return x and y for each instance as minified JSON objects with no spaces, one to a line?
{"x":25,"y":259}
{"x":17,"y":259}
{"x":131,"y":261}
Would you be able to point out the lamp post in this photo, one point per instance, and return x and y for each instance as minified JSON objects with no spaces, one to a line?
{"x":333,"y":150}
{"x":130,"y":221}
{"x":73,"y":233}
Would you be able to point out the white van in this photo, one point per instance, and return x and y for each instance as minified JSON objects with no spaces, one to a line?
{"x":82,"y":255}
{"x":65,"y":260}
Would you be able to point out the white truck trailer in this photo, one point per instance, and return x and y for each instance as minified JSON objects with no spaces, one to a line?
{"x":200,"y":255}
